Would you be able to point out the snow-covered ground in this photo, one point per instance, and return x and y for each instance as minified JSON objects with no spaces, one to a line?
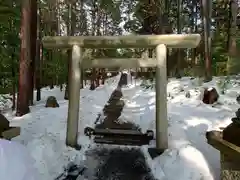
{"x":189,"y":157}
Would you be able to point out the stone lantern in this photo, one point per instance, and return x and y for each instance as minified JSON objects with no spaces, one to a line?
{"x":228,"y":143}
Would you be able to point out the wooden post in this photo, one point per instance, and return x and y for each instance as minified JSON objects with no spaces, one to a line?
{"x":74,"y":95}
{"x":161,"y":98}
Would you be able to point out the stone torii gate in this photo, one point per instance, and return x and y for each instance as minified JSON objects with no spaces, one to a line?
{"x":159,"y":42}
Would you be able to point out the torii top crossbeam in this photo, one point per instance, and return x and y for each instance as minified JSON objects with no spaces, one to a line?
{"x":127,"y":41}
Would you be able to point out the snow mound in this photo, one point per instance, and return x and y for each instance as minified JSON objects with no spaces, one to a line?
{"x":16,"y":162}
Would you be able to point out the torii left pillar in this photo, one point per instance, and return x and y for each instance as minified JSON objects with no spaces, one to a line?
{"x":74,"y":95}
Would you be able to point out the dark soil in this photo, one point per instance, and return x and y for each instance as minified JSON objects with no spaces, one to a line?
{"x":119,"y":164}
{"x":113,"y":164}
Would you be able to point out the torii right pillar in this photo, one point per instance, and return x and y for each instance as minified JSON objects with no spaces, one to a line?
{"x":161,"y":98}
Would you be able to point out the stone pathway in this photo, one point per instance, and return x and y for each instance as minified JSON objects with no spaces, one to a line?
{"x":106,"y":162}
{"x":113,"y":109}
{"x":118,"y":164}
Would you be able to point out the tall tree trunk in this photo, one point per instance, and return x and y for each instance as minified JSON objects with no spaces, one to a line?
{"x":59,"y":33}
{"x":99,"y":51}
{"x":196,"y":31}
{"x":83,"y":75}
{"x":207,"y":39}
{"x":52,"y":32}
{"x":103,"y":75}
{"x":13,"y":82}
{"x":69,"y":56}
{"x":51,"y":82}
{"x":24,"y":65}
{"x":228,"y":29}
{"x":11,"y":23}
{"x":178,"y":68}
{"x":33,"y":38}
{"x":38,"y":56}
{"x":233,"y":64}
{"x":66,"y":95}
{"x":93,"y":75}
{"x":193,"y":28}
